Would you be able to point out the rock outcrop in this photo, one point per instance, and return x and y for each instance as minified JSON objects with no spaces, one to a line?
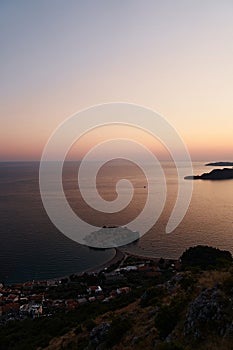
{"x":211,"y":312}
{"x":98,"y":335}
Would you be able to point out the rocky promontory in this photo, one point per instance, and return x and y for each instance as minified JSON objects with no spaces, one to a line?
{"x":216,"y":174}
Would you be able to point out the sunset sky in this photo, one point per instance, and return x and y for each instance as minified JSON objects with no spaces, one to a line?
{"x":173,"y":56}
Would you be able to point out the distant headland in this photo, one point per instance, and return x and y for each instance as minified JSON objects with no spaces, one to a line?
{"x":220,"y":164}
{"x":216,"y":174}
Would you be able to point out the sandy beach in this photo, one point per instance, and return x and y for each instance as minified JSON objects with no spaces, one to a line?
{"x":119,"y":256}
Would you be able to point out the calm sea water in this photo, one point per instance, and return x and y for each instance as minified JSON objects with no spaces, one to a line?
{"x":32,"y":248}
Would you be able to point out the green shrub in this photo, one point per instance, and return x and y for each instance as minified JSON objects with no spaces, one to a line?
{"x":152,"y":296}
{"x":188,"y":281}
{"x":119,"y":326}
{"x":168,"y":316}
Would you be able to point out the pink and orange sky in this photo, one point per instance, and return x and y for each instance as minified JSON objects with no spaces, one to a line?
{"x":58,"y":57}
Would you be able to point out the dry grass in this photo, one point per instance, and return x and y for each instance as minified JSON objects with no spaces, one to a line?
{"x":143,"y":322}
{"x":62,"y":341}
{"x":209,"y":278}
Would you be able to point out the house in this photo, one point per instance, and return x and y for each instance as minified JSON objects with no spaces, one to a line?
{"x":113,"y":294}
{"x":28,"y":285}
{"x":71,"y":304}
{"x":94,"y":289}
{"x":36,"y":297}
{"x":52,"y":283}
{"x":91,"y":299}
{"x":10,"y":307}
{"x":17,"y":285}
{"x":13,"y":298}
{"x":123,"y":290}
{"x":24,"y":309}
{"x":150,"y":271}
{"x":82,"y":301}
{"x":58,"y":304}
{"x":35,"y":309}
{"x":42,"y":283}
{"x":129,"y":268}
{"x":114,"y":277}
{"x":23,"y":300}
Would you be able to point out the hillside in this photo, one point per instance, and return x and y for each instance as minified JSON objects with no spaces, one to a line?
{"x":185,"y":305}
{"x":189,"y":312}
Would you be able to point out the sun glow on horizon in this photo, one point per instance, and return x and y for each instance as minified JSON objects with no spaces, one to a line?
{"x":172,"y":57}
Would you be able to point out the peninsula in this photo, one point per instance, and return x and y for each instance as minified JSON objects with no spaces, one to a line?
{"x":216,"y":174}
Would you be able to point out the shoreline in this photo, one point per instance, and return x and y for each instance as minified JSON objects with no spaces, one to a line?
{"x":122,"y":255}
{"x":119,"y":257}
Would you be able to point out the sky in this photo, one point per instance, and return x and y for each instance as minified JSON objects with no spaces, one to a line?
{"x":172,"y":56}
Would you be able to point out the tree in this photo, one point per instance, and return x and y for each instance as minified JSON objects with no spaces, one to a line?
{"x":205,"y":257}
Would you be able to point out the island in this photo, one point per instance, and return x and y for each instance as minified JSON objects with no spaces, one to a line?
{"x":111,"y":236}
{"x":220,"y":164}
{"x":216,"y":174}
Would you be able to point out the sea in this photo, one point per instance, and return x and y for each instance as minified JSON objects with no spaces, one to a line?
{"x":32,"y":248}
